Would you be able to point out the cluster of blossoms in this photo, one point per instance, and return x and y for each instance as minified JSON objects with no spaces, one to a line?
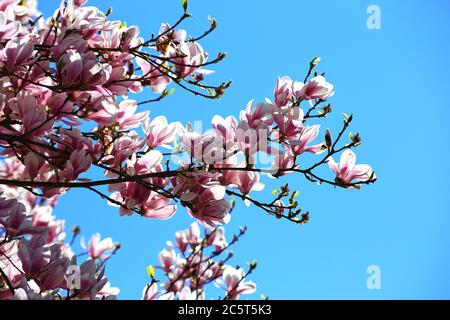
{"x":35,"y":261}
{"x":65,"y":108}
{"x":77,"y":69}
{"x":193,"y":262}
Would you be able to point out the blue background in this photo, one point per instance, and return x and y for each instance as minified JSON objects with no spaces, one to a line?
{"x":396,"y":82}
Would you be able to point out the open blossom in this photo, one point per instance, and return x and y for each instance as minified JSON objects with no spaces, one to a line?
{"x":191,"y":236}
{"x":150,"y":292}
{"x":159,"y":132}
{"x":283,"y":162}
{"x":235,"y":286}
{"x":249,"y":181}
{"x":258,"y":117}
{"x":283,"y":91}
{"x":14,"y":220}
{"x":154,"y":78}
{"x":17,"y":53}
{"x":8,"y":29}
{"x":98,"y":249}
{"x":289,"y":121}
{"x":347,"y":171}
{"x":122,"y":114}
{"x":193,"y":57}
{"x":167,"y":258}
{"x":82,"y":70}
{"x":216,"y":238}
{"x":78,"y":163}
{"x":93,"y":284}
{"x":204,"y":197}
{"x":139,"y":196}
{"x":316,"y":89}
{"x":300,"y":144}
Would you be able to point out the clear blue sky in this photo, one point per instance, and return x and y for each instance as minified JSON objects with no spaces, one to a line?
{"x":396,"y":82}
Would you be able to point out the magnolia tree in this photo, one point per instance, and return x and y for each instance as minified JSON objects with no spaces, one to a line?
{"x":66,"y":107}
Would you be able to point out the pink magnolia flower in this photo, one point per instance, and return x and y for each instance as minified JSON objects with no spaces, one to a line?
{"x":79,"y":162}
{"x":154,"y":78}
{"x":159,"y":132}
{"x":204,"y":197}
{"x":120,"y":83}
{"x":235,"y":286}
{"x":31,"y":113}
{"x":15,"y":221}
{"x":123,"y":114}
{"x":259,"y":117}
{"x":129,"y":38}
{"x":133,"y":195}
{"x":283,"y":91}
{"x":150,"y":292}
{"x":193,"y":59}
{"x":42,"y":217}
{"x":347,"y":171}
{"x":229,"y":177}
{"x":225,"y":127}
{"x":98,"y":249}
{"x":21,"y":11}
{"x":71,"y":140}
{"x":123,"y":149}
{"x":187,"y":237}
{"x":217,"y":238}
{"x":301,"y":143}
{"x":17,"y":53}
{"x":167,"y":258}
{"x":73,"y":42}
{"x":107,"y":292}
{"x":249,"y":181}
{"x":43,"y":262}
{"x":170,"y":39}
{"x":8,"y":29}
{"x":91,"y":281}
{"x":210,"y":211}
{"x":289,"y":121}
{"x":52,"y":276}
{"x":8,"y":259}
{"x":283,"y":162}
{"x":60,"y":106}
{"x":82,"y":71}
{"x":316,"y":89}
{"x":207,"y":147}
{"x":33,"y":163}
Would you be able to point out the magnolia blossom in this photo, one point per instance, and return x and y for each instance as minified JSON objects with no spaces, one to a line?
{"x":347,"y":171}
{"x":82,"y":70}
{"x":235,"y":286}
{"x":191,"y":267}
{"x":191,"y":236}
{"x":8,"y":29}
{"x":35,"y":257}
{"x":65,"y":108}
{"x":316,"y":89}
{"x":153,"y":76}
{"x":123,"y":114}
{"x":300,"y":144}
{"x":249,"y":181}
{"x":159,"y":132}
{"x":193,"y":57}
{"x":98,"y":249}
